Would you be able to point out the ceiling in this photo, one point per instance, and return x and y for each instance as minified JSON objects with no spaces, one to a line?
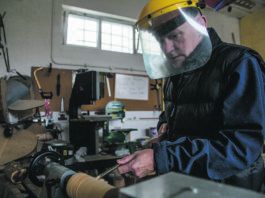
{"x":239,"y":11}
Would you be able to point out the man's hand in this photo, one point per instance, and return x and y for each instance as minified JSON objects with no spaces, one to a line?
{"x":162,"y":129}
{"x":141,"y":163}
{"x":162,"y":136}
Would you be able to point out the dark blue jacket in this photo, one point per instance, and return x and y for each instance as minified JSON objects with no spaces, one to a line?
{"x":216,"y":117}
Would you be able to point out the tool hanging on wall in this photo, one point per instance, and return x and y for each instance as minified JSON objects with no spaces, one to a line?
{"x":44,"y":95}
{"x":157,"y":87}
{"x":58,"y":85}
{"x":62,"y":113}
{"x":3,"y":43}
{"x":108,"y":76}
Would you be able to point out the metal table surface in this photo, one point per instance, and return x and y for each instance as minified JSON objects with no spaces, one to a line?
{"x":175,"y":185}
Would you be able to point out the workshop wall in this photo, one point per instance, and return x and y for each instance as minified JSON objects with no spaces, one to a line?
{"x":33,"y":30}
{"x":33,"y":33}
{"x":252,"y":34}
{"x":62,"y":88}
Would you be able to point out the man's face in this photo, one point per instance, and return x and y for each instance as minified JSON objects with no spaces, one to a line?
{"x":179,"y":43}
{"x":169,"y":41}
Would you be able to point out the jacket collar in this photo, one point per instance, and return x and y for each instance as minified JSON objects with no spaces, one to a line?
{"x":215,"y":39}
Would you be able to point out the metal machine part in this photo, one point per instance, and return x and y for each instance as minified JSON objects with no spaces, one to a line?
{"x":60,"y":179}
{"x":80,"y":185}
{"x":83,"y":129}
{"x":182,"y":186}
{"x":8,"y":131}
{"x":39,"y":163}
{"x":60,"y":146}
{"x":115,"y":139}
{"x":17,"y":99}
{"x":85,"y":91}
{"x":116,"y":109}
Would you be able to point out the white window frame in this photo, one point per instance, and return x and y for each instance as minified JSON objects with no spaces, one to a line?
{"x":101,"y":17}
{"x":65,"y":33}
{"x":113,"y":23}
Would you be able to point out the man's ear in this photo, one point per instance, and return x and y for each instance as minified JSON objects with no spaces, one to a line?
{"x":205,"y":20}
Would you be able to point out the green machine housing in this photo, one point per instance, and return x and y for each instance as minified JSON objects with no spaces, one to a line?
{"x":116,"y":138}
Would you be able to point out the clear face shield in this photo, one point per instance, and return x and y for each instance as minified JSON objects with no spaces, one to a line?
{"x":174,"y":43}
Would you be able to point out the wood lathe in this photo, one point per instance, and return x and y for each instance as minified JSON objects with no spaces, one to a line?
{"x":47,"y":170}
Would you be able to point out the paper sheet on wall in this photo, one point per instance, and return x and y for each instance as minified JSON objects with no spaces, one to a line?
{"x":131,"y":87}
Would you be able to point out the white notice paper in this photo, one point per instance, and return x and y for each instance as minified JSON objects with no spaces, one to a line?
{"x":131,"y":87}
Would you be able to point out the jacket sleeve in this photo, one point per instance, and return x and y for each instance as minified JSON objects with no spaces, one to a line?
{"x":240,"y":140}
{"x":162,"y":120}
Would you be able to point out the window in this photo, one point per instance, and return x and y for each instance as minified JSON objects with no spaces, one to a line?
{"x":98,"y":31}
{"x":116,"y":37}
{"x":103,"y":31}
{"x":82,"y":31}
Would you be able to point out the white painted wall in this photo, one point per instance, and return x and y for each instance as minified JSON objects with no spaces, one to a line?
{"x":33,"y":30}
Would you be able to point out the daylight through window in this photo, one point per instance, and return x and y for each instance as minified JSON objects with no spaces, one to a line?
{"x":104,"y":33}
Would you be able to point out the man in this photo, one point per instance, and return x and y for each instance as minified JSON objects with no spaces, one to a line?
{"x":214,"y":100}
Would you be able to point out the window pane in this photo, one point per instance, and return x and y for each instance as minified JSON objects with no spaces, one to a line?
{"x":148,"y":40}
{"x":82,"y":30}
{"x":117,"y":37}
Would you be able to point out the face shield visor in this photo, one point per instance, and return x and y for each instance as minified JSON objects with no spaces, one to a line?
{"x":174,"y":43}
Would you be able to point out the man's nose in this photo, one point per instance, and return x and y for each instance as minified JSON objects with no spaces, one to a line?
{"x":168,"y":46}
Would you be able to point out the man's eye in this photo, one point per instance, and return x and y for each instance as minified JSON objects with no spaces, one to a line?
{"x":161,"y":41}
{"x":174,"y":37}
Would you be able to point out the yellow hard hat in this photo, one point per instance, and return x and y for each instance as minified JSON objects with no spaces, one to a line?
{"x":155,"y":8}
